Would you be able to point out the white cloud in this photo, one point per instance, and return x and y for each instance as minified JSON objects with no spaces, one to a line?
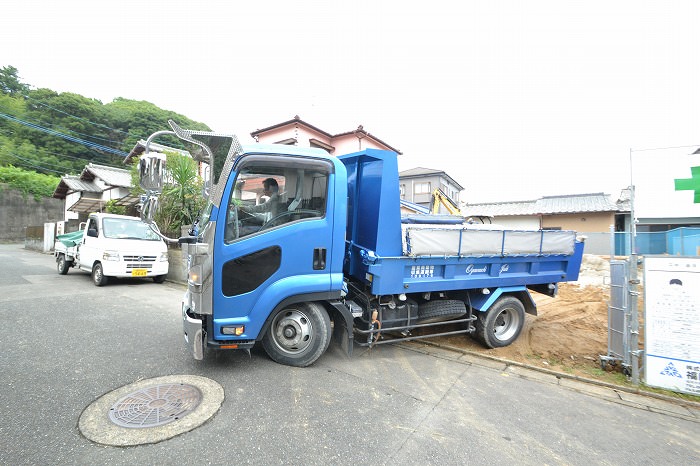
{"x":513,"y":99}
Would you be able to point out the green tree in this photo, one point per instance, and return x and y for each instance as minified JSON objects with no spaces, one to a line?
{"x":10,"y":83}
{"x":181,"y":199}
{"x":111,"y":207}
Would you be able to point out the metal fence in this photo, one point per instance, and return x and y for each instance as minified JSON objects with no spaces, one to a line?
{"x":684,"y":241}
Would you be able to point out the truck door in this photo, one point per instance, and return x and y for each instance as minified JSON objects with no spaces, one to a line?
{"x":89,"y":247}
{"x":274,"y":239}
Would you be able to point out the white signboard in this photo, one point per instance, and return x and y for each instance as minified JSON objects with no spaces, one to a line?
{"x":672,"y":323}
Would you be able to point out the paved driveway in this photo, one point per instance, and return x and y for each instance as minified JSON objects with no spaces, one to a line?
{"x":65,"y":343}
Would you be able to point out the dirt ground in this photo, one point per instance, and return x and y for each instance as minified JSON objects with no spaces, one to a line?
{"x":570,"y":332}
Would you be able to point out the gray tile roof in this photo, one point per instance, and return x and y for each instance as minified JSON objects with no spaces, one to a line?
{"x":575,"y":203}
{"x":85,"y":183}
{"x":74,"y":183}
{"x":110,"y":175}
{"x":71,"y":184}
{"x":419,"y":171}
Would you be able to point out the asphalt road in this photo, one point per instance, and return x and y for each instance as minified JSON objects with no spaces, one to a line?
{"x":65,"y":343}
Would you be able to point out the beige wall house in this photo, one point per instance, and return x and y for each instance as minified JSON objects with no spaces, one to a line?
{"x":580,"y":212}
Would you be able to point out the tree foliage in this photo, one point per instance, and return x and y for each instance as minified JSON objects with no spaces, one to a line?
{"x":29,"y":182}
{"x":181,"y":199}
{"x":59,"y":133}
{"x":10,"y":83}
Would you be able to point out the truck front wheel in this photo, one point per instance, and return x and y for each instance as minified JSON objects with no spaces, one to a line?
{"x":62,"y":265}
{"x":502,"y":324}
{"x":298,"y":335}
{"x":98,"y":276}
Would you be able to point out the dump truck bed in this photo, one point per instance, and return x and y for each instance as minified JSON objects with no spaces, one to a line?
{"x":460,"y":257}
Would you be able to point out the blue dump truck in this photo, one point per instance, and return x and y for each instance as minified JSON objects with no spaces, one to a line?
{"x":297,"y":247}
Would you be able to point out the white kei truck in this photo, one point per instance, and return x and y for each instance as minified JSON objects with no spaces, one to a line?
{"x":110,"y":245}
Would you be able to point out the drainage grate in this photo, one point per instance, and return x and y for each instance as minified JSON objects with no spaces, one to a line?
{"x":156,"y":405}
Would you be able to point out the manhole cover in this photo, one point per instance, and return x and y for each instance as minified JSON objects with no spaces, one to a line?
{"x":151,"y":410}
{"x":155,"y":406}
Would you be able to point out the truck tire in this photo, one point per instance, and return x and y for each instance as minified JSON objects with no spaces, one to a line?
{"x":62,"y":265}
{"x":159,"y":278}
{"x":98,"y":276}
{"x":298,"y":335}
{"x":440,"y":309}
{"x":502,"y":324}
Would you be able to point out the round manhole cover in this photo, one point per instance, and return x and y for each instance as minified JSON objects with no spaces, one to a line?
{"x":151,"y":410}
{"x":155,"y":406}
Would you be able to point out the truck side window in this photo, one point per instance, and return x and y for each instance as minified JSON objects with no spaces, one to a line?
{"x":269,"y":195}
{"x":92,"y":228}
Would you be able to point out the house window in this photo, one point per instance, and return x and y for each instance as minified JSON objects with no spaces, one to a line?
{"x":402,"y":191}
{"x":422,"y":188}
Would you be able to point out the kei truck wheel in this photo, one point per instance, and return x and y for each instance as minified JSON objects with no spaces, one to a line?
{"x":98,"y":276}
{"x":62,"y":265}
{"x":298,"y":335}
{"x":502,"y":324}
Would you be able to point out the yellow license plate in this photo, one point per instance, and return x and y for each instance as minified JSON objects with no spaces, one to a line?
{"x":139,"y":272}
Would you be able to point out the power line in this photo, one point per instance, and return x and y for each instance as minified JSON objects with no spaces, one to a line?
{"x":36,"y":121}
{"x":77,"y":117}
{"x":27,"y":163}
{"x":44,"y":151}
{"x":65,"y":136}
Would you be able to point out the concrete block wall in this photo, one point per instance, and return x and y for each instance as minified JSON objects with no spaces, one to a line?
{"x":18,"y":211}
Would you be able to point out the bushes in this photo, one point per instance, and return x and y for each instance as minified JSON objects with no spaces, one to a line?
{"x":29,"y":182}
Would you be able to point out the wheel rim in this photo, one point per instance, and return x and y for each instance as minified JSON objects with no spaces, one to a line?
{"x":98,"y":274}
{"x":292,"y":331}
{"x":506,"y":324}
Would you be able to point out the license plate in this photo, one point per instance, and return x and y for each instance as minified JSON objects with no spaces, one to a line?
{"x":139,"y":272}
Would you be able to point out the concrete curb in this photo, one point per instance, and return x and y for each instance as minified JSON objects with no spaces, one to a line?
{"x":563,"y":375}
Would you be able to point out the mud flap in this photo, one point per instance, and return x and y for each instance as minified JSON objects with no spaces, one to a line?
{"x":198,"y":345}
{"x":194,"y":336}
{"x":343,"y":335}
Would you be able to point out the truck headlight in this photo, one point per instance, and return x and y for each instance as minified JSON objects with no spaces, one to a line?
{"x":164,"y":256}
{"x":110,"y":256}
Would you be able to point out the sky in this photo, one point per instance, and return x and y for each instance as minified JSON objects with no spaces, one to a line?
{"x":513,"y":99}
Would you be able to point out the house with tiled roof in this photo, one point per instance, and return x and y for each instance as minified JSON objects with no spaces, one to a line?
{"x":92,"y":189}
{"x":581,"y":212}
{"x":298,"y":132}
{"x":585,"y":213}
{"x":417,"y":185}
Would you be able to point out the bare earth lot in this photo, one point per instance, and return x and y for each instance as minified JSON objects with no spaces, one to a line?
{"x":570,"y":331}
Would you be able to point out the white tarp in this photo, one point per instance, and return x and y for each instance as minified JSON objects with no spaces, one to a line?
{"x":468,"y":240}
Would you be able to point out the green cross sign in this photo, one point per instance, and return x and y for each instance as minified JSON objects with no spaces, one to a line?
{"x":692,"y":183}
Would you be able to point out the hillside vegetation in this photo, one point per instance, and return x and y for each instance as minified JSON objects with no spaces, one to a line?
{"x":45,"y":134}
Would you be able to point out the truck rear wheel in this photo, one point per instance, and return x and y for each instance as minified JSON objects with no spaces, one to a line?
{"x":502,"y":324}
{"x":62,"y":265}
{"x":98,"y":276}
{"x":298,"y":335}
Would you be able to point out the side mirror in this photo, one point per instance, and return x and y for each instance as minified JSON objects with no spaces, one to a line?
{"x":149,"y":209}
{"x":92,"y":232}
{"x":151,"y":171}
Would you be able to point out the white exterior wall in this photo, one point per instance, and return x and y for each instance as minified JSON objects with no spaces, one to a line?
{"x":71,"y":199}
{"x":518,"y":223}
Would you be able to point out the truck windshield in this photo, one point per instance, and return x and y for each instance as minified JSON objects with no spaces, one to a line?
{"x":127,"y":229}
